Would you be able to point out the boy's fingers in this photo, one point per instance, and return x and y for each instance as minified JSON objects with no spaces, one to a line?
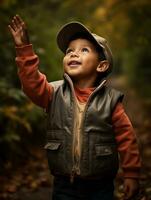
{"x":20,"y":21}
{"x":17,"y":22}
{"x":14,"y":26}
{"x":19,"y":18}
{"x":11,"y":29}
{"x":126,"y":192}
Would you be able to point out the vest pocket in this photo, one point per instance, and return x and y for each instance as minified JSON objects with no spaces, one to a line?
{"x":104,"y":160}
{"x":55,"y":154}
{"x":103,"y":150}
{"x":52,"y":145}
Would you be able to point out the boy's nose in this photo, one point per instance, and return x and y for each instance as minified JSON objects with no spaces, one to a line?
{"x":74,"y":54}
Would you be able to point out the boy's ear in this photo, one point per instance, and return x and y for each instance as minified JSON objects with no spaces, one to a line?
{"x":103,"y":66}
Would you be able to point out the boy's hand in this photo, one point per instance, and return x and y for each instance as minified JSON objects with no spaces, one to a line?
{"x":131,"y":187}
{"x":18,"y":30}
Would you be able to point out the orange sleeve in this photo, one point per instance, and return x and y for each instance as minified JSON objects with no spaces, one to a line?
{"x":34,"y":83}
{"x":126,"y":143}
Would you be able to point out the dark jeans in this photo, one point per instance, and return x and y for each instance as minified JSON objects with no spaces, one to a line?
{"x":82,"y":189}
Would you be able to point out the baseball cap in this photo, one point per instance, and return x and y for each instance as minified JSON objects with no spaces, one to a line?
{"x":73,"y":28}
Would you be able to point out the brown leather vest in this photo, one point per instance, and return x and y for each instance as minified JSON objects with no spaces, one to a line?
{"x":99,"y":156}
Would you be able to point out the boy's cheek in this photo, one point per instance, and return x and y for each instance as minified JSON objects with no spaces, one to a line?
{"x":64,"y":61}
{"x":64,"y":65}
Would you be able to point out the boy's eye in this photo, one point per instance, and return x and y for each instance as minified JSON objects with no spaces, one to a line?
{"x":68,"y":51}
{"x":85,"y":50}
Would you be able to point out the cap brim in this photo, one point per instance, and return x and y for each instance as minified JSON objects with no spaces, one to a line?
{"x":68,"y":31}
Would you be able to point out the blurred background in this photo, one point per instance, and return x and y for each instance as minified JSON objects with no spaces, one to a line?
{"x":127,"y":27}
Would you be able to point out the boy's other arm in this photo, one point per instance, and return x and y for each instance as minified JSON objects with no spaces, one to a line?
{"x":128,"y":150}
{"x":34,"y":83}
{"x":126,"y":143}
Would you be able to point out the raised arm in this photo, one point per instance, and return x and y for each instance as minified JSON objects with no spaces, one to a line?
{"x":34,"y":83}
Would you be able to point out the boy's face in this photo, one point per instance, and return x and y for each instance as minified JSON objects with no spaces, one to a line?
{"x":81,"y":60}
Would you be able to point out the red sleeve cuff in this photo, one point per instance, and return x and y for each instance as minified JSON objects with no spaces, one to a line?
{"x":23,"y":51}
{"x":132,"y":174}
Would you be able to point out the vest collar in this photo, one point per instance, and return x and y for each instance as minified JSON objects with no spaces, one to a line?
{"x":68,"y":79}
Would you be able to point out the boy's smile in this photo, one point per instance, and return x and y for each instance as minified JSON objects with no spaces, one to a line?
{"x":74,"y":63}
{"x":81,"y":61}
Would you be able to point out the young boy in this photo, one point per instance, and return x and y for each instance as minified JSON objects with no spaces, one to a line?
{"x":87,"y":126}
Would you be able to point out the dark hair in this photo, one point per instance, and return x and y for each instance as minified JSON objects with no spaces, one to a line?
{"x":87,"y":37}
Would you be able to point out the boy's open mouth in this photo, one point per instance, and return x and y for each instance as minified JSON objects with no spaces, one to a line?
{"x":74,"y":63}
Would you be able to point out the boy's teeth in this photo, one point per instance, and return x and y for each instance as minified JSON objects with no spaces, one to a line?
{"x":74,"y":63}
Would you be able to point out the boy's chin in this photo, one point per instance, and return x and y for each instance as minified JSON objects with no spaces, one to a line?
{"x":73,"y":75}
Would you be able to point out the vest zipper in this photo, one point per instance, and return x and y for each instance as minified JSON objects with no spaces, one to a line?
{"x":76,"y":157}
{"x":76,"y":165}
{"x":73,"y":170}
{"x":83,"y":115}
